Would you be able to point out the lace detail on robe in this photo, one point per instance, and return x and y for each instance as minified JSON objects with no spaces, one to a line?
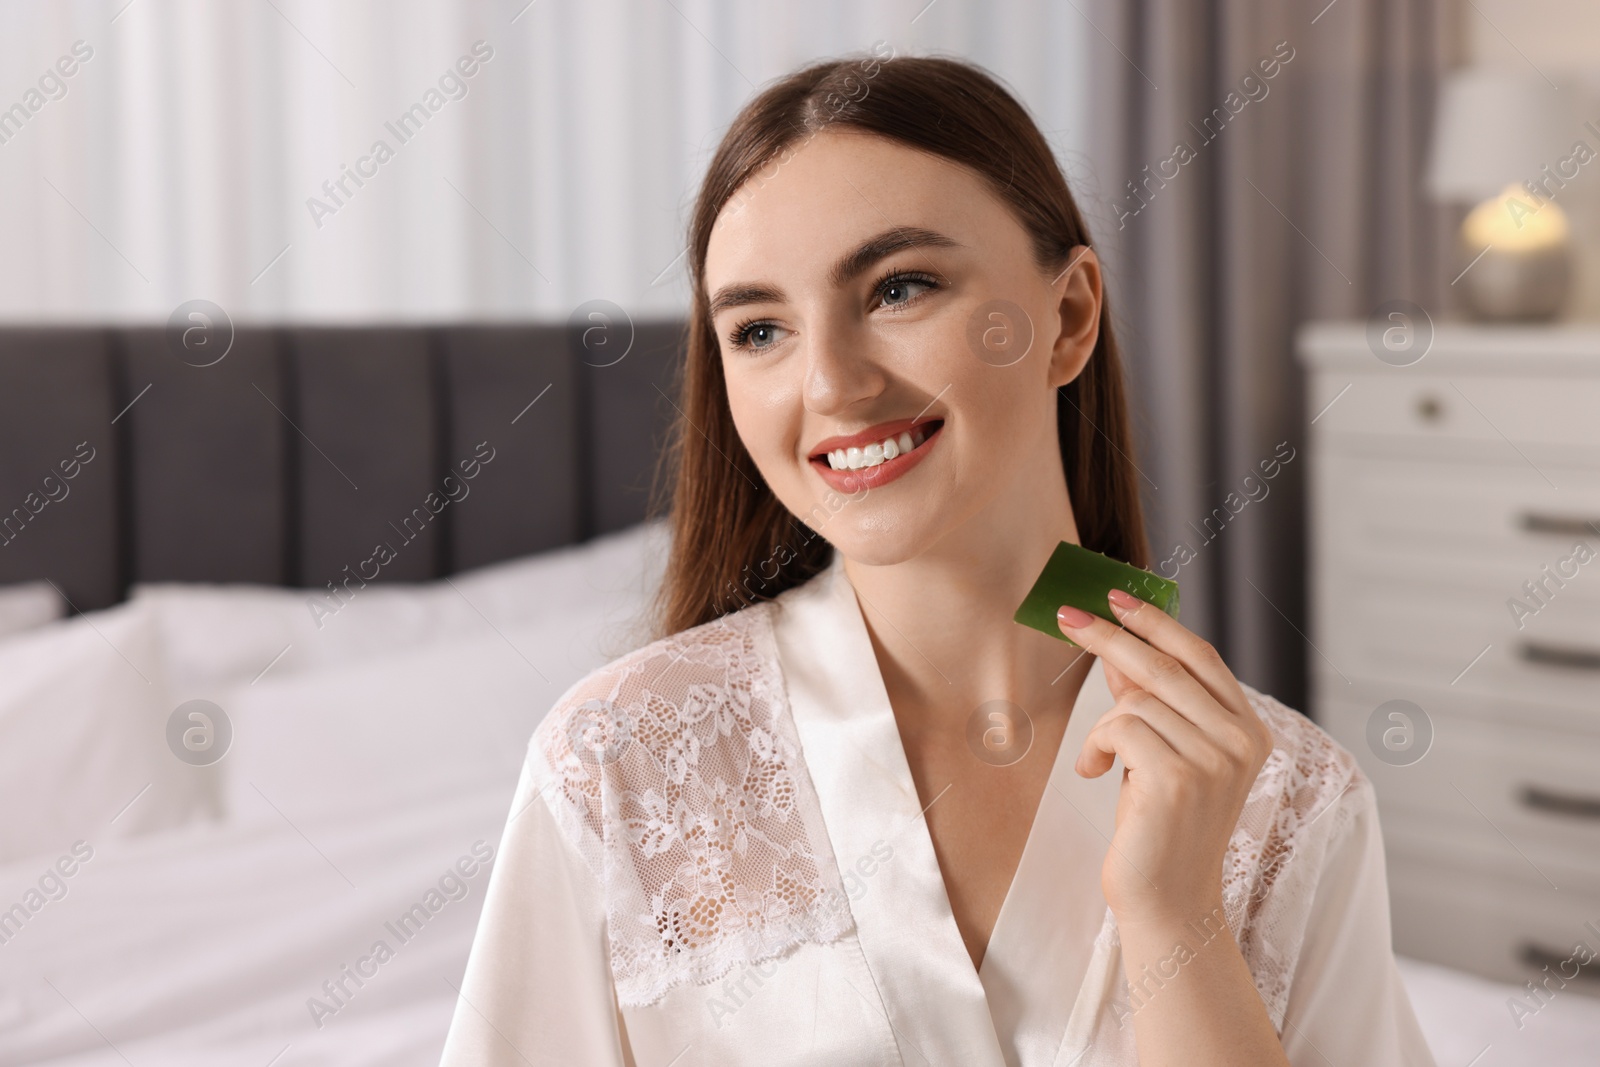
{"x":676,"y":772}
{"x":1280,"y":845}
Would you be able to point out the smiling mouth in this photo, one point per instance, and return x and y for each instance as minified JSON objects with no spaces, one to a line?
{"x":875,"y":453}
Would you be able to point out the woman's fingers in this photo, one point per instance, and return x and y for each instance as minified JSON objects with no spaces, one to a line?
{"x":1128,"y":736}
{"x":1147,"y":667}
{"x":1245,"y":736}
{"x":1181,"y":735}
{"x":1173,"y":672}
{"x":1169,"y":635}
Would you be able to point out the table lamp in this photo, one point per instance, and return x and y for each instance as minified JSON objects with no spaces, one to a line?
{"x":1505,"y":143}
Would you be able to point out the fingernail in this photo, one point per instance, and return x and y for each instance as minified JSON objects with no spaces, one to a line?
{"x":1073,"y":618}
{"x":1122,"y":601}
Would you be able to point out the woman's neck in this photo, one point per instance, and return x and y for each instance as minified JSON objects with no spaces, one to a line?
{"x":942,"y":623}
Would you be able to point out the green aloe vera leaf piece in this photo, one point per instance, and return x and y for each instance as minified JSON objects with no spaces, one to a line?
{"x":1081,"y":577}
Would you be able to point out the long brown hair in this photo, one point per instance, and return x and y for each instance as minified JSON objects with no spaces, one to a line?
{"x":733,"y":543}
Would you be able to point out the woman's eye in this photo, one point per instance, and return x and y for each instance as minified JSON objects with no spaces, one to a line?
{"x":900,"y":291}
{"x":756,"y":335}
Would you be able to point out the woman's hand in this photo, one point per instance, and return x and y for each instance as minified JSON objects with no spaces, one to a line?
{"x":1191,"y":745}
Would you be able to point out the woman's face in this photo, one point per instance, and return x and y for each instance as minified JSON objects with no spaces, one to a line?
{"x":891,"y":348}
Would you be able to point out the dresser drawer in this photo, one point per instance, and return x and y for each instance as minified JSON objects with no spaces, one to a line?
{"x":1464,"y":638}
{"x":1418,"y":405}
{"x":1540,"y":789}
{"x":1491,"y":525}
{"x":1532,"y":709}
{"x":1499,"y":927}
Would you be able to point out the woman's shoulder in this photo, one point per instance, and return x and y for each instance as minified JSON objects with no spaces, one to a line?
{"x":660,"y":734}
{"x":672,"y":675}
{"x":676,"y":774}
{"x":1294,"y":807}
{"x":1307,"y":767}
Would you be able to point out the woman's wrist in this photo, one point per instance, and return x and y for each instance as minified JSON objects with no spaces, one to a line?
{"x":1163,"y":942}
{"x":1189,"y":994}
{"x":1161,"y":921}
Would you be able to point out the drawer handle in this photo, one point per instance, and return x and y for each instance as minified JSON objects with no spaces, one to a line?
{"x":1587,"y":659}
{"x":1549,"y":800}
{"x":1564,"y":525}
{"x":1561,"y":962}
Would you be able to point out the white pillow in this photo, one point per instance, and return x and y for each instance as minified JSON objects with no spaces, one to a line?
{"x":215,"y":635}
{"x":84,"y":709}
{"x":446,"y":718}
{"x":28,"y":605}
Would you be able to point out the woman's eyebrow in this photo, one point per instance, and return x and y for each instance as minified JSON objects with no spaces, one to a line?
{"x":885,"y":244}
{"x":739,"y":294}
{"x":850,"y":265}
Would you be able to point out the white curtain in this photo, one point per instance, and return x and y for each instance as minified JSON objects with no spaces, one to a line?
{"x":185,"y":153}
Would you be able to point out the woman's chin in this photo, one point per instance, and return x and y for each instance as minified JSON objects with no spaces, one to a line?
{"x":874,"y":548}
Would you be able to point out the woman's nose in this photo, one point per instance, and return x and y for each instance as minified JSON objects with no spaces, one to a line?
{"x":841,"y":369}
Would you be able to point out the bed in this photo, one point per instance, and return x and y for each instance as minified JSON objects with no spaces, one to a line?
{"x":365,"y":785}
{"x":162,"y":903}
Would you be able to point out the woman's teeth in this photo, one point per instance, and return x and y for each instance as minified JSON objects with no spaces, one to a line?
{"x":856,"y":458}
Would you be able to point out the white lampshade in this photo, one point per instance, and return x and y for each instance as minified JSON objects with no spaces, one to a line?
{"x":1494,"y":128}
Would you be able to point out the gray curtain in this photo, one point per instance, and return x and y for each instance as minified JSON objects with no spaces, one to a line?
{"x":1299,"y":198}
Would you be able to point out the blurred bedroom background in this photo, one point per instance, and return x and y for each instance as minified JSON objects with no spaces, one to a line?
{"x":283,"y":279}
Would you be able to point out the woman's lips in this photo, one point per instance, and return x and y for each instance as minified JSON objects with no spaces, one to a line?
{"x":851,"y":481}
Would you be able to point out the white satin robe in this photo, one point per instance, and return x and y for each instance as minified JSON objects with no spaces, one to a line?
{"x":897,"y":985}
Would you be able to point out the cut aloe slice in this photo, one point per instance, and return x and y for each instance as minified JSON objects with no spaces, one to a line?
{"x":1082,"y":577}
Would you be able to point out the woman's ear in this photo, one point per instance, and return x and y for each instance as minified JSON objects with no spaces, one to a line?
{"x":1077,"y":290}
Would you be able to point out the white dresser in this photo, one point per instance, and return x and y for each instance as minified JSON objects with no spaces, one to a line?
{"x":1444,"y":492}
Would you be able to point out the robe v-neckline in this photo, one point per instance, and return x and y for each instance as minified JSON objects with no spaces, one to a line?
{"x":1016,"y":1006}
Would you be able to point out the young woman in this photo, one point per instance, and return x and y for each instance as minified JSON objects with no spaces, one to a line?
{"x":847,"y":811}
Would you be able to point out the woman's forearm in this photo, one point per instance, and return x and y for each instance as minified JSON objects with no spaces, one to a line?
{"x":1191,"y":1000}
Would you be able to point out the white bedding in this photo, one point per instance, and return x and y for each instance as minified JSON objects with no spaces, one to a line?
{"x":368,"y":761}
{"x":204,"y":945}
{"x":1467,"y":1021}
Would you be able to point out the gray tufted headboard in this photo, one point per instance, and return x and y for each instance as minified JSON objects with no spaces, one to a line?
{"x":304,"y":448}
